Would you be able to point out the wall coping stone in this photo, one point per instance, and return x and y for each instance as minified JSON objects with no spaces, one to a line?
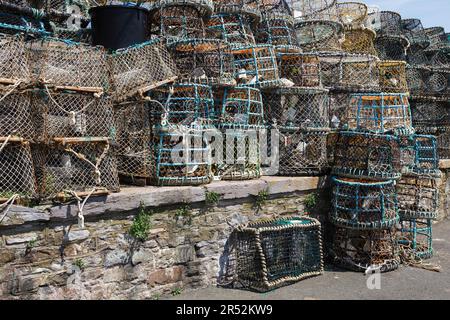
{"x":129,"y":198}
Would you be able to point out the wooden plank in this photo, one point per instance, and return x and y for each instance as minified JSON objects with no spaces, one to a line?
{"x":156,"y":85}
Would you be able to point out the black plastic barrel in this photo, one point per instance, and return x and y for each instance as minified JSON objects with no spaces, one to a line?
{"x":116,"y":26}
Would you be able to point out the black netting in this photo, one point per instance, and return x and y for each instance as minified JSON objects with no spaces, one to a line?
{"x":391,"y":47}
{"x":414,"y":32}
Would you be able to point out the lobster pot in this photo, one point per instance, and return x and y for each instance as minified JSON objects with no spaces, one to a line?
{"x":415,"y":236}
{"x":389,"y":23}
{"x":277,"y":29}
{"x":18,"y":20}
{"x":78,"y":165}
{"x":16,"y":166}
{"x":362,"y":204}
{"x":430,"y":116}
{"x":70,"y":114}
{"x":256,"y":66}
{"x":134,"y":140}
{"x":180,"y":19}
{"x":239,"y":7}
{"x":437,"y":36}
{"x":240,"y":107}
{"x":352,"y":14}
{"x":357,"y":250}
{"x":275,"y":6}
{"x":319,"y":35}
{"x":306,"y":10}
{"x":64,"y":6}
{"x":70,"y":66}
{"x":137,"y":69}
{"x":14,"y":66}
{"x":297,"y":107}
{"x":418,"y":197}
{"x":349,"y":72}
{"x":417,"y":79}
{"x":441,"y":58}
{"x":426,"y":155}
{"x":16,"y":114}
{"x":302,"y":153}
{"x":365,"y":155}
{"x":438,"y":82}
{"x":277,"y":252}
{"x":182,"y":104}
{"x":443,"y":145}
{"x":303,"y":69}
{"x":359,"y":41}
{"x":417,"y":56}
{"x":240,"y":159}
{"x":393,"y":76}
{"x":338,"y":109}
{"x":182,"y":157}
{"x":414,"y":32}
{"x":379,"y":113}
{"x":232,"y":28}
{"x":204,"y":61}
{"x":391,"y":47}
{"x":77,"y":34}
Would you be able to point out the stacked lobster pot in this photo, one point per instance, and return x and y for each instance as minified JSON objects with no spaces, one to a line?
{"x":16,"y":126}
{"x":134,"y":73}
{"x":428,"y":76}
{"x":73,"y":120}
{"x":64,"y":19}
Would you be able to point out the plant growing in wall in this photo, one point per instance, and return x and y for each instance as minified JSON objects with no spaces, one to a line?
{"x":261,"y":199}
{"x":310,"y":202}
{"x":141,"y":224}
{"x":212,"y":198}
{"x":79,"y":263}
{"x":185,"y":213}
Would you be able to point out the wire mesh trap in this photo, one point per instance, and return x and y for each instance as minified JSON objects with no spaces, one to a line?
{"x":413,"y":31}
{"x":134,"y":140}
{"x":16,"y":114}
{"x":417,"y":78}
{"x":389,"y":23}
{"x":232,"y":28}
{"x":439,"y":83}
{"x":441,"y":58}
{"x":358,"y":250}
{"x":277,"y":29}
{"x":256,"y":66}
{"x":297,"y":107}
{"x":206,"y":61}
{"x":14,"y":63}
{"x":74,"y":165}
{"x":352,"y":14}
{"x":240,"y":155}
{"x":306,"y":10}
{"x":430,"y":115}
{"x":65,"y":65}
{"x":391,"y":47}
{"x":365,"y":155}
{"x":349,"y":72}
{"x":71,"y":114}
{"x":182,"y":104}
{"x":277,"y":252}
{"x":319,"y":35}
{"x":180,"y":19}
{"x":363,"y":204}
{"x":417,"y":56}
{"x":443,"y":145}
{"x":303,"y":152}
{"x":15,"y":19}
{"x":415,"y":236}
{"x":240,"y":107}
{"x":182,"y":157}
{"x":426,"y":158}
{"x":339,"y":103}
{"x":437,"y":36}
{"x":16,"y":166}
{"x":140,"y":68}
{"x":418,"y":197}
{"x":380,"y":113}
{"x":359,"y":41}
{"x":393,"y":76}
{"x":303,"y":69}
{"x":248,"y":8}
{"x":275,"y":6}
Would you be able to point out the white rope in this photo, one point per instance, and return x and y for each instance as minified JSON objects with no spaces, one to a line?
{"x":14,"y":86}
{"x":7,"y":205}
{"x":72,"y":113}
{"x":80,"y":203}
{"x":5,"y":143}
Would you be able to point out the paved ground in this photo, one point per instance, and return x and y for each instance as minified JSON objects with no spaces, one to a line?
{"x":404,"y":283}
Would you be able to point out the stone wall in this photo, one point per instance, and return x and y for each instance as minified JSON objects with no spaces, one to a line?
{"x":44,"y":255}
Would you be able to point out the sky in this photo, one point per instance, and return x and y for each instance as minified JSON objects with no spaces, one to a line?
{"x":432,"y":13}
